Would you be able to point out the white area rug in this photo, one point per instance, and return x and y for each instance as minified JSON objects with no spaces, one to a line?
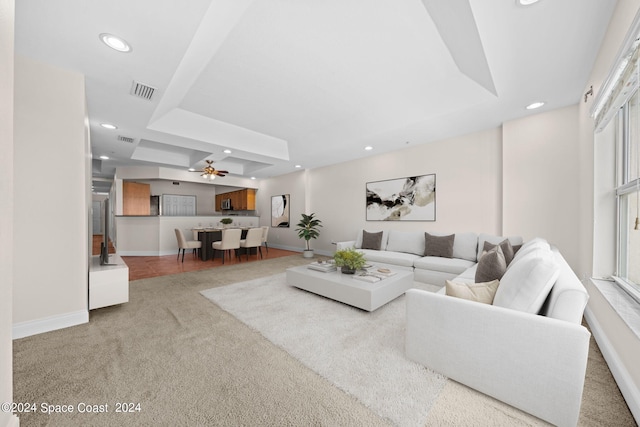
{"x":362,"y":353}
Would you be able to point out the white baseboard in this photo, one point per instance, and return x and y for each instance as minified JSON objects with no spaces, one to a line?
{"x":629,"y":390}
{"x":14,"y":421}
{"x":51,"y":323}
{"x":7,"y":420}
{"x":298,"y":249}
{"x":142,"y":253}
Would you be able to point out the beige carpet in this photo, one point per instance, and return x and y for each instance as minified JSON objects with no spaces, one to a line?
{"x":188,"y":362}
{"x":362,"y":353}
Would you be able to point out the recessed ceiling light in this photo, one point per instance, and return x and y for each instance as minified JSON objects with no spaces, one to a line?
{"x":192,"y":170}
{"x":368,"y":148}
{"x":104,"y":157}
{"x":227,"y":151}
{"x":253,"y":177}
{"x":534,"y":105}
{"x":526,"y":2}
{"x":298,"y":166}
{"x":115,"y":42}
{"x":108,"y":126}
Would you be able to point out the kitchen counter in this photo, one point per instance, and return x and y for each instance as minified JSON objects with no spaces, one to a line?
{"x":155,"y":235}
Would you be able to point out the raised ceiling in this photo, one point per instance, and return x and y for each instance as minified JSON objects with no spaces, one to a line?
{"x":282,"y":83}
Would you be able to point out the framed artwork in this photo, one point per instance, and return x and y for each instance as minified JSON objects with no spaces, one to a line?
{"x":403,"y":199}
{"x":280,"y":211}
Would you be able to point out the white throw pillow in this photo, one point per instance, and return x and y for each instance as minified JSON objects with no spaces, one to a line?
{"x":528,"y":281}
{"x":480,"y":292}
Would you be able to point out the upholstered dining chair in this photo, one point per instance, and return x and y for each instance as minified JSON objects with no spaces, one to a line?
{"x":230,"y":240}
{"x":253,"y":240}
{"x":265,"y":233}
{"x":186,"y":244}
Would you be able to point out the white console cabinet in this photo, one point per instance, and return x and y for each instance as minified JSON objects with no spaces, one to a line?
{"x":108,"y":284}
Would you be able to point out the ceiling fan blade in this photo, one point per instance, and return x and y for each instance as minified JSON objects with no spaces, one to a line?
{"x":223,"y":171}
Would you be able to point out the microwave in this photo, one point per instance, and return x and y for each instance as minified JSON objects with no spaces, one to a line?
{"x":225,"y":204}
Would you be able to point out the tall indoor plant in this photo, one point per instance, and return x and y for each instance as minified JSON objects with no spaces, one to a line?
{"x":307,"y":230}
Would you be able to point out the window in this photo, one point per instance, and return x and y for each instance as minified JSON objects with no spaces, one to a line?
{"x":628,"y":186}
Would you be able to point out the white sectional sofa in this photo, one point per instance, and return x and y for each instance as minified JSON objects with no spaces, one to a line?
{"x":526,"y":348}
{"x":406,"y":250}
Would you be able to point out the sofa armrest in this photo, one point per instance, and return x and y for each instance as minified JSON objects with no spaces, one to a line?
{"x":532,"y":362}
{"x":345,"y":245}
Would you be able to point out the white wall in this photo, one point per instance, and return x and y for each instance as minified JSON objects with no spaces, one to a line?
{"x":50,"y":128}
{"x":7,"y":14}
{"x":468,"y":190}
{"x":541,"y":185}
{"x":294,"y":185}
{"x":618,"y":343}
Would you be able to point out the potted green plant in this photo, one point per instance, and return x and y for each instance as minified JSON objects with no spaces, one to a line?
{"x":307,"y":230}
{"x":226,"y":221}
{"x":349,"y":260}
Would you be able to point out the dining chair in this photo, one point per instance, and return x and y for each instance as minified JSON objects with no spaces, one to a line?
{"x":186,"y":244}
{"x":253,"y":240}
{"x":230,"y":240}
{"x":265,"y":233}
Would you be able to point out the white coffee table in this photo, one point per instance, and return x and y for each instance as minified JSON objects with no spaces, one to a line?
{"x":344,"y":288}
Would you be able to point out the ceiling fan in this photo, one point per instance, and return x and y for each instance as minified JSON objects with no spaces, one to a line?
{"x":209,"y":172}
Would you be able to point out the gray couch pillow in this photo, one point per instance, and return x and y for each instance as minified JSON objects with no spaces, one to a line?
{"x":441,"y":246}
{"x":507,"y":249}
{"x":491,"y":266}
{"x":371,"y":240}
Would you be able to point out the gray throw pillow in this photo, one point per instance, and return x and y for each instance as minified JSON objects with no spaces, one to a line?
{"x":507,"y":250}
{"x":491,"y":266}
{"x":441,"y":246}
{"x":371,"y":240}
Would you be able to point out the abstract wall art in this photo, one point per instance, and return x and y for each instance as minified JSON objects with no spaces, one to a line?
{"x":280,"y":211}
{"x":403,"y":199}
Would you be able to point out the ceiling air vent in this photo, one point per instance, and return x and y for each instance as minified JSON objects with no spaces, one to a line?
{"x":125,"y":139}
{"x":142,"y":90}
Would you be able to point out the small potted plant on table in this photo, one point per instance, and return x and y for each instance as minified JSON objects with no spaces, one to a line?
{"x":349,"y":260}
{"x":226,"y":222}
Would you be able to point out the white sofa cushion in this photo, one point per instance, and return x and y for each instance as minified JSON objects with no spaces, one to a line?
{"x":411,"y":242}
{"x":480,"y":292}
{"x":465,"y":245}
{"x":528,"y":281}
{"x":446,"y":265}
{"x":514,"y":240}
{"x":467,"y":276}
{"x":383,"y":243}
{"x":528,"y":246}
{"x":387,"y":257}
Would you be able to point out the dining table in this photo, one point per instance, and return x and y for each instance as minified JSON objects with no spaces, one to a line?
{"x":209,"y":235}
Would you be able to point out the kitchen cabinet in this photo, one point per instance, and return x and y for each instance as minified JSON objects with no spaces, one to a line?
{"x":135,"y":198}
{"x":241,"y":200}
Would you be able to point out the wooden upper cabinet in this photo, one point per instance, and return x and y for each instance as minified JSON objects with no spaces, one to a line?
{"x":241,"y":200}
{"x":136,"y":198}
{"x":251,"y":199}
